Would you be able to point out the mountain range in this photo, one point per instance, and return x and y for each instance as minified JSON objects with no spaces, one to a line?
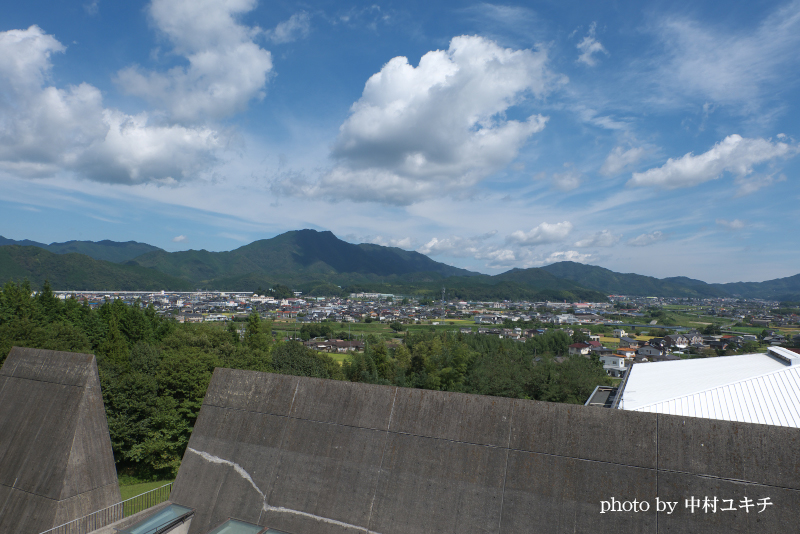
{"x":105,"y":250}
{"x":320,"y":263}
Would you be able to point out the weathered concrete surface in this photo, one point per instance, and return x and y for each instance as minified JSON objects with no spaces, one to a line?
{"x":434,"y":485}
{"x":763,"y":454}
{"x":781,"y":516}
{"x":545,"y":494}
{"x":56,"y":462}
{"x":590,"y":433}
{"x":25,"y":512}
{"x":316,"y":456}
{"x":453,"y":416}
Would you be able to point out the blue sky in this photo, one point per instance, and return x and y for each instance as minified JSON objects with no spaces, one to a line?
{"x":660,"y":138}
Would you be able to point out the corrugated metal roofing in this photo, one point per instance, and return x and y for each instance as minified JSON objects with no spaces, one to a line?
{"x":753,"y":388}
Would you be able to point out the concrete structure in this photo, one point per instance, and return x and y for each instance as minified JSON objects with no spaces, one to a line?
{"x":56,"y":462}
{"x":315,"y":456}
{"x":603,"y":397}
{"x":751,"y":388}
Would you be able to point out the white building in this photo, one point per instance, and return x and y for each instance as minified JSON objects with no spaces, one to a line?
{"x":752,"y":388}
{"x":614,"y":365}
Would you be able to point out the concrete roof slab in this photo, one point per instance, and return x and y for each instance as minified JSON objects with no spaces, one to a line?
{"x":545,"y":493}
{"x":433,"y":485}
{"x":344,"y":403}
{"x":585,"y":432}
{"x":759,"y":453}
{"x":328,"y":470}
{"x":780,"y":516}
{"x":454,"y":416}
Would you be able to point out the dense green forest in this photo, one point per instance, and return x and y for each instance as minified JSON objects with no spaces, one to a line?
{"x":154,"y":372}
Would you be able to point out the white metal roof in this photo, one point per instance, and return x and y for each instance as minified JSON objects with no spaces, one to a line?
{"x":752,"y":388}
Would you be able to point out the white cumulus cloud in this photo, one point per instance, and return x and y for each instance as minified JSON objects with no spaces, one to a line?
{"x":47,"y":130}
{"x":438,"y":128}
{"x":644,"y":240}
{"x":542,"y":234}
{"x":734,"y":154}
{"x":590,"y":46}
{"x":179,"y":239}
{"x":603,"y":238}
{"x":225,"y":70}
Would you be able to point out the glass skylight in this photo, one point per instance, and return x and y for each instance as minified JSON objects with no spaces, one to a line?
{"x":159,"y":520}
{"x":233,"y":526}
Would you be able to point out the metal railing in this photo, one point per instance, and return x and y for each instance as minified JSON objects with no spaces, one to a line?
{"x":114,"y":513}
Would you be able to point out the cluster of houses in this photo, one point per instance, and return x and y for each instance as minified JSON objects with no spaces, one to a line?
{"x":218,"y":305}
{"x":671,"y":347}
{"x":491,"y":318}
{"x":335,"y":345}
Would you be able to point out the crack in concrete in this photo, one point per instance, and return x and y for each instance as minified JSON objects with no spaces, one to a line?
{"x":236,"y":467}
{"x":266,"y":507}
{"x":281,"y":509}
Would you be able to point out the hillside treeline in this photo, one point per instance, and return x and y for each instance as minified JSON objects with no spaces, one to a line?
{"x":486,"y":365}
{"x":154,"y":372}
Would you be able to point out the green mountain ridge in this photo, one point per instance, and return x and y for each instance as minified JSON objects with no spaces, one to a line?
{"x":105,"y":250}
{"x":297,"y":257}
{"x":79,"y":272}
{"x":610,"y":282}
{"x":319,"y":263}
{"x":779,"y":289}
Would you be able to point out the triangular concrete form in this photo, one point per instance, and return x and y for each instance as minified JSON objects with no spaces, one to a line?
{"x":56,"y":462}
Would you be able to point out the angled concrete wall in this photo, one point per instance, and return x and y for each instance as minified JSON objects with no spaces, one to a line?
{"x":56,"y":462}
{"x":317,"y":456}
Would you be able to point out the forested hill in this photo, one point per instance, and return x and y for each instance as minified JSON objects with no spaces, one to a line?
{"x":106,"y":250}
{"x":80,"y":272}
{"x":610,"y":282}
{"x":296,"y":257}
{"x":319,"y":263}
{"x":316,"y":263}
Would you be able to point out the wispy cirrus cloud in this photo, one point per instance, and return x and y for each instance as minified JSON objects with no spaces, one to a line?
{"x":298,"y":26}
{"x":735,"y":224}
{"x":590,"y":47}
{"x":648,"y":239}
{"x":603,"y":238}
{"x":730,"y":67}
{"x":620,"y":159}
{"x":457,"y":246}
{"x":568,"y":180}
{"x":541,"y":234}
